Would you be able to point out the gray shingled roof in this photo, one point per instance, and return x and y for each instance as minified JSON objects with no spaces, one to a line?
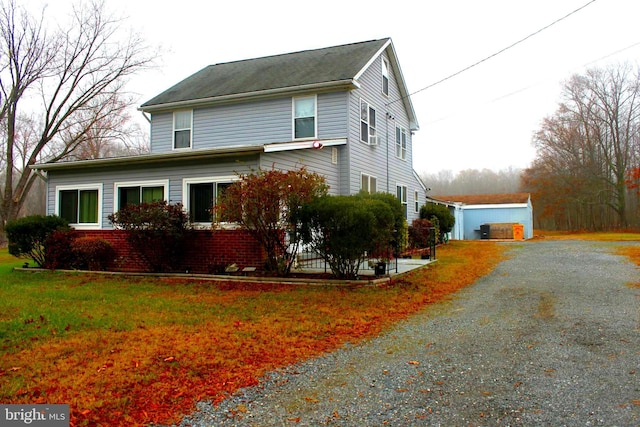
{"x":331,"y":64}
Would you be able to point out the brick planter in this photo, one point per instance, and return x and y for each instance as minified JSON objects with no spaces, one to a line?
{"x":206,"y":252}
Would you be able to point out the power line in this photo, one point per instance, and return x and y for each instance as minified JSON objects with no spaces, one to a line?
{"x":532,"y":85}
{"x":495,"y":54}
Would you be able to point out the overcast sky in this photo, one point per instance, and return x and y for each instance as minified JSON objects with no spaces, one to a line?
{"x":481,"y":118}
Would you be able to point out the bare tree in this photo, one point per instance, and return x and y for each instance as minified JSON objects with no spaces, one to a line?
{"x":586,"y":149}
{"x":72,"y":78}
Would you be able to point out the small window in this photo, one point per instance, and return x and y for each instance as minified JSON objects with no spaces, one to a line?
{"x":385,"y":77}
{"x":182,"y":129}
{"x":368,"y":183}
{"x":368,"y":124}
{"x":401,"y":143}
{"x":416,"y":199}
{"x":304,"y":117}
{"x":401,"y":192}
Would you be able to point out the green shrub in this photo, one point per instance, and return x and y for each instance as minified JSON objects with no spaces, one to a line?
{"x":400,"y":228}
{"x":28,"y":235}
{"x":344,"y":229}
{"x":444,"y":219}
{"x":156,"y":231}
{"x":92,"y":253}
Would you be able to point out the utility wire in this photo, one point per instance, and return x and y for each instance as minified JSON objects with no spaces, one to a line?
{"x":495,"y":54}
{"x":530,"y":86}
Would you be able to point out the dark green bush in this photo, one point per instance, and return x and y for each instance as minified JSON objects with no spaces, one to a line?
{"x":344,"y":229}
{"x":156,"y":231}
{"x":92,"y":253}
{"x":28,"y":235}
{"x":445,"y":220}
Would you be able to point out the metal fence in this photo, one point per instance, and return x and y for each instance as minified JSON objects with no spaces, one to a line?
{"x":311,"y":261}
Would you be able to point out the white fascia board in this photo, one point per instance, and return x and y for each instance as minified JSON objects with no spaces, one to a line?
{"x":302,"y":145}
{"x":371,"y":60}
{"x":496,"y":206}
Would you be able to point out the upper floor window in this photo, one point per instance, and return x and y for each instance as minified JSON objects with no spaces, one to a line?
{"x":401,"y":143}
{"x":368,"y":183}
{"x":368,"y":124}
{"x":385,"y":76}
{"x":304,"y":117}
{"x":80,"y":205}
{"x":144,"y":192}
{"x":182,"y":121}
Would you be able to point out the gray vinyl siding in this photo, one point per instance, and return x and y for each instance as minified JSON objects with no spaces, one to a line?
{"x":255,"y":123}
{"x":318,"y":161}
{"x":175,"y":172}
{"x":380,"y":161}
{"x":161,"y":133}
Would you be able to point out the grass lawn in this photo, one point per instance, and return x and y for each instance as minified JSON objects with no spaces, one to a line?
{"x":135,"y":351}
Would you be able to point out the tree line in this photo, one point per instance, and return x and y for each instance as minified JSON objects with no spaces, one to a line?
{"x":586,"y":173}
{"x":587,"y":160}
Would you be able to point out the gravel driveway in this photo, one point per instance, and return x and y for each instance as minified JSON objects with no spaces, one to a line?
{"x":551,"y":337}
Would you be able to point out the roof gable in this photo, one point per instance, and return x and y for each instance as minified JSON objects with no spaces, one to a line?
{"x":336,"y":64}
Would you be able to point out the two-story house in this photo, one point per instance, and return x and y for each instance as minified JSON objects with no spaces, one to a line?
{"x":342,"y":111}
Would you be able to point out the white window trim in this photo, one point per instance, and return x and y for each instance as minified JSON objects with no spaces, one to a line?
{"x":403,"y":151}
{"x":385,"y":66}
{"x":416,"y":200}
{"x":155,"y":183}
{"x":293,"y":117}
{"x":404,"y":203}
{"x":173,"y":133}
{"x":375,"y":138}
{"x":186,"y":201}
{"x":82,"y":226}
{"x":369,"y":177}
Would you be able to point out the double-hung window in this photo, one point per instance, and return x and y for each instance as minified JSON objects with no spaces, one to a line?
{"x":182,"y":124}
{"x":80,"y":205}
{"x":385,"y":76}
{"x":416,"y":201}
{"x":368,"y":124}
{"x":401,"y":143}
{"x":401,"y":192}
{"x":135,"y":193}
{"x":304,"y":117}
{"x":200,"y":196}
{"x":368,"y":183}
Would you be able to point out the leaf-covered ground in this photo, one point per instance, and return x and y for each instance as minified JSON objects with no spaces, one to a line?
{"x":125,"y":351}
